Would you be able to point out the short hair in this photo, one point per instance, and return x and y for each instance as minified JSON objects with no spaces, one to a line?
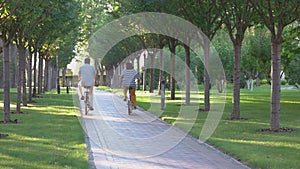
{"x":129,"y":66}
{"x":87,"y":60}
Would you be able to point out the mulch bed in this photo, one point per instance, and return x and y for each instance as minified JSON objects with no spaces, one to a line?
{"x":17,"y":112}
{"x":16,"y":121}
{"x":289,"y":130}
{"x":241,"y":118}
{"x":184,"y":104}
{"x":201,"y":110}
{"x":32,"y":101}
{"x":37,"y":96}
{"x":3,"y":135}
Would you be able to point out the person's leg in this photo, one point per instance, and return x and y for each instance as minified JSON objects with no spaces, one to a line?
{"x":91,"y":96}
{"x":133,"y":97}
{"x":80,"y":90}
{"x":125,"y":90}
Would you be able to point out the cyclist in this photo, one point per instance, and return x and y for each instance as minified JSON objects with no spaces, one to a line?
{"x":128,"y":77}
{"x":86,"y":78}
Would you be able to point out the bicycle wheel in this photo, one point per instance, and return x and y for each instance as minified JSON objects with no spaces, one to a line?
{"x":129,"y":107}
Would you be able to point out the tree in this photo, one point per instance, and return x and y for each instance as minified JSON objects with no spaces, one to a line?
{"x":224,"y":47}
{"x":256,"y":63}
{"x":24,"y":15}
{"x":36,"y":38}
{"x":66,"y":50}
{"x":153,"y":42}
{"x":237,"y":16}
{"x":7,"y":30}
{"x":204,"y":15}
{"x":61,"y":18}
{"x":136,"y":6}
{"x":290,"y":54}
{"x":276,"y":15}
{"x":292,"y":73}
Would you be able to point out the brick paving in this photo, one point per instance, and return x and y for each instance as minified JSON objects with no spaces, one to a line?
{"x":141,"y":140}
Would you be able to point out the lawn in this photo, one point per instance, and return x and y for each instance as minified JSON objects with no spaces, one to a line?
{"x":242,"y":138}
{"x":48,"y":135}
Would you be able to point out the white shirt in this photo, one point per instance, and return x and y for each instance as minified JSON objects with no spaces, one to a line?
{"x":87,"y":73}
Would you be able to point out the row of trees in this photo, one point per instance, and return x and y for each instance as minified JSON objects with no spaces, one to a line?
{"x":236,"y":17}
{"x":47,"y":29}
{"x":43,"y":32}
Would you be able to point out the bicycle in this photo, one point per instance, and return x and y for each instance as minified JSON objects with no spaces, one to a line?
{"x":86,"y":99}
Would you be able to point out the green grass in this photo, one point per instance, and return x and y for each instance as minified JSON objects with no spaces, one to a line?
{"x":241,"y":138}
{"x":48,"y":135}
{"x":261,"y":149}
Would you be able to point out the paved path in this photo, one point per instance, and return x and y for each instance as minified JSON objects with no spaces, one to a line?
{"x":142,"y":141}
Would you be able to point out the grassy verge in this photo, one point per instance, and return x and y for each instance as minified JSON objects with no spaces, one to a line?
{"x":48,"y":135}
{"x":241,"y":138}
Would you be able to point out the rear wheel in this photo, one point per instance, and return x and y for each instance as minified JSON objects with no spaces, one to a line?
{"x":129,"y":107}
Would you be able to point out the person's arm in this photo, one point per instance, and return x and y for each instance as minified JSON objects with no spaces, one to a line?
{"x":79,"y":74}
{"x":95,"y":74}
{"x":137,"y":76}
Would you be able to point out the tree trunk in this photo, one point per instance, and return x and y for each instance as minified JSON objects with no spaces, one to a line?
{"x":29,"y":75}
{"x":187,"y":75}
{"x":220,"y":85}
{"x":161,"y":70}
{"x":19,"y":84}
{"x":58,"y":82}
{"x":115,"y":80}
{"x":101,"y":76}
{"x":6,"y":79}
{"x":138,"y":70}
{"x":144,"y":75}
{"x":248,"y":84}
{"x":40,"y":74}
{"x":236,"y":82}
{"x":109,"y":74}
{"x":13,"y":55}
{"x":24,"y":91}
{"x":53,"y":76}
{"x":151,"y":82}
{"x":96,"y":66}
{"x":64,"y":72}
{"x":172,"y":48}
{"x":46,"y":75}
{"x":207,"y":84}
{"x":275,"y":85}
{"x":257,"y":81}
{"x":22,"y":75}
{"x":1,"y":63}
{"x":34,"y":74}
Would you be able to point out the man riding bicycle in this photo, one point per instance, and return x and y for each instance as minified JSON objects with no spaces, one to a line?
{"x":128,"y":77}
{"x":86,"y":78}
